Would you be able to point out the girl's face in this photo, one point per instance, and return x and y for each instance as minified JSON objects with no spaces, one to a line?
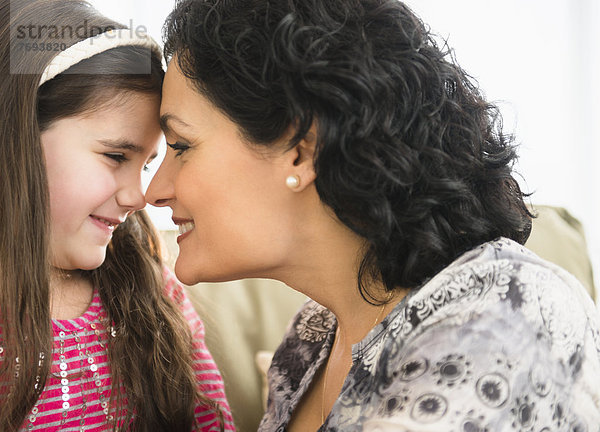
{"x":94,"y":163}
{"x":230,"y":201}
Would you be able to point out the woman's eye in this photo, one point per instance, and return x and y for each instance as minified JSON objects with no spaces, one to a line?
{"x":179,"y":148}
{"x":118,"y":157}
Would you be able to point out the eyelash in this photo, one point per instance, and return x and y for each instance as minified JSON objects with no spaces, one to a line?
{"x":121,"y":158}
{"x":179,"y":148}
{"x":118,"y":157}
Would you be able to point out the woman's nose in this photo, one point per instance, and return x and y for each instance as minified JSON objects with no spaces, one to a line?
{"x":160,"y":192}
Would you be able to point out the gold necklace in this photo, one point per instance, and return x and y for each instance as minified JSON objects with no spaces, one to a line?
{"x":327,"y":365}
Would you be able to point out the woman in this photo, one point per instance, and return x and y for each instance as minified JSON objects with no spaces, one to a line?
{"x":332,"y":145}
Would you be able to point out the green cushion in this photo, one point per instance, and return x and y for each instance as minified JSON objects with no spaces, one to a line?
{"x":558,"y":237}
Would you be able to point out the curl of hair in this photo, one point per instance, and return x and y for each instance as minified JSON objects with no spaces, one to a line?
{"x":409,"y":155}
{"x":151,"y":357}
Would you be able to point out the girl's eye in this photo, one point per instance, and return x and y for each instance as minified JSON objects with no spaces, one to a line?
{"x":179,"y":148}
{"x":118,"y":157}
{"x":146,"y":168}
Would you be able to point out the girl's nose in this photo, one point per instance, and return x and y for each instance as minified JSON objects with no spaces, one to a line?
{"x":131,"y":197}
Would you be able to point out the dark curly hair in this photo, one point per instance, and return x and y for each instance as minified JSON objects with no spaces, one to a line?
{"x":409,"y":155}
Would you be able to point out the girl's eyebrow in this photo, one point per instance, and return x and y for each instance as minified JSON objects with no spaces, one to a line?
{"x":122,"y":144}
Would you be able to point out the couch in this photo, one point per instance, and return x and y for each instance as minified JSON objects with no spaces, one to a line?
{"x":247,"y":317}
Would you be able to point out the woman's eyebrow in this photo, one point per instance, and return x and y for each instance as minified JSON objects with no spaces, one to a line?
{"x":167,"y":118}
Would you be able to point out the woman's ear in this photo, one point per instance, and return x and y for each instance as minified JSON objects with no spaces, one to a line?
{"x":300,"y":162}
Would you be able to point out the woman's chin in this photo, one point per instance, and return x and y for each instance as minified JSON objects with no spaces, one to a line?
{"x":190,"y":273}
{"x":185,"y":274}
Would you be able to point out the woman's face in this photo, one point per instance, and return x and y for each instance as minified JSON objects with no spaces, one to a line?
{"x":94,"y":164}
{"x":231,"y":203}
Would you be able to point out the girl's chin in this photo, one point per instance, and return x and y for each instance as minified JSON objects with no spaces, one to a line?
{"x":90,"y":263}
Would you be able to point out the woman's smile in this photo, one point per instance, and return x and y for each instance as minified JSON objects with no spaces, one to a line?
{"x":185,"y":226}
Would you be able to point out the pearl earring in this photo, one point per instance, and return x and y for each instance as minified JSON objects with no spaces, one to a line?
{"x":292,"y":181}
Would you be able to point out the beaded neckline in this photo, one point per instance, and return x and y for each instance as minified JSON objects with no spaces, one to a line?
{"x":79,"y":367}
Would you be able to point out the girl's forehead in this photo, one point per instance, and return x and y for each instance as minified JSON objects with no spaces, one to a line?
{"x":133,"y":121}
{"x":117,"y":99}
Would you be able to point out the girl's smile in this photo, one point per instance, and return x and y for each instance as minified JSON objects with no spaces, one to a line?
{"x":106,"y":224}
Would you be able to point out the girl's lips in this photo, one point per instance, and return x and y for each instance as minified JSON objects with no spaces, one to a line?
{"x":107,"y":225}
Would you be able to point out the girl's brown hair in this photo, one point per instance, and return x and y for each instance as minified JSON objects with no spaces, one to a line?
{"x":151,"y":355}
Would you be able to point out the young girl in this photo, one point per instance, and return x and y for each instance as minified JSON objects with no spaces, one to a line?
{"x":94,"y":333}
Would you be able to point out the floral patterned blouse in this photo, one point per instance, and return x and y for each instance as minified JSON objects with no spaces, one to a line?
{"x":500,"y":340}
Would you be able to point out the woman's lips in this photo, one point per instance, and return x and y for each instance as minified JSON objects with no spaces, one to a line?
{"x":185,"y":227}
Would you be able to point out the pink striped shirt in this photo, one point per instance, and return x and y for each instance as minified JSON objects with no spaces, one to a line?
{"x":77,"y":392}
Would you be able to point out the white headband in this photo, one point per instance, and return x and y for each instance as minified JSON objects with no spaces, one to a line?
{"x":89,"y":47}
